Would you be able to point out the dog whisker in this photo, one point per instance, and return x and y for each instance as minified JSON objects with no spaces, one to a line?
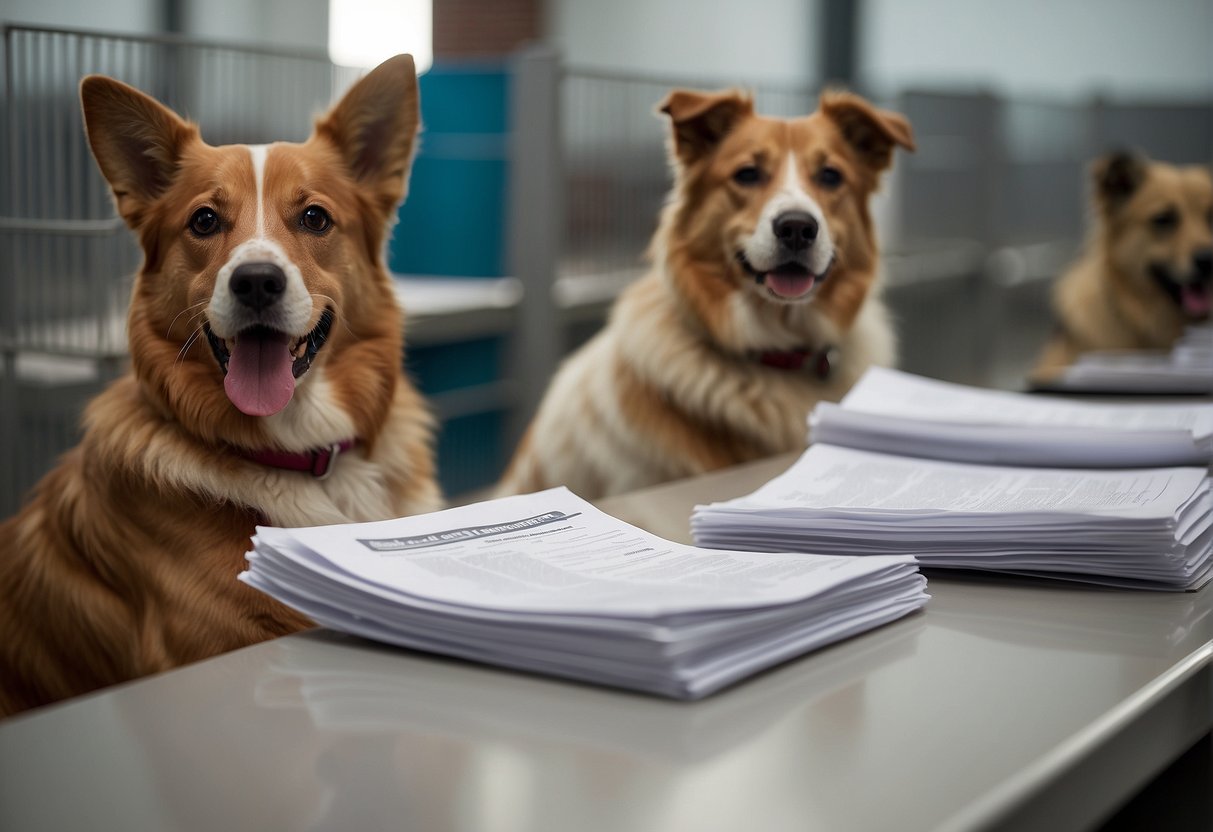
{"x":169,"y":332}
{"x":189,"y":342}
{"x":196,"y":318}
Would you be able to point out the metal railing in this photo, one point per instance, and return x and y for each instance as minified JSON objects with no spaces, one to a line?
{"x":69,"y":259}
{"x":996,"y":189}
{"x":66,"y":259}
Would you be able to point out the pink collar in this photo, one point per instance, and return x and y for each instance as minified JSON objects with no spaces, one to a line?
{"x":317,"y":462}
{"x":820,"y":362}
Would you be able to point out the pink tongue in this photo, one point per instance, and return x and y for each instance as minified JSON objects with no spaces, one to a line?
{"x":1197,"y":300}
{"x":789,"y":285}
{"x":259,"y":379}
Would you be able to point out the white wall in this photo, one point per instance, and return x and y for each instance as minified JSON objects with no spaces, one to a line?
{"x":280,"y":22}
{"x":138,"y":16}
{"x":303,"y":23}
{"x":737,"y":41}
{"x":1029,"y":47}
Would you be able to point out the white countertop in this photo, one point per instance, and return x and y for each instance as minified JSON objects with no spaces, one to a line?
{"x":1006,"y":704}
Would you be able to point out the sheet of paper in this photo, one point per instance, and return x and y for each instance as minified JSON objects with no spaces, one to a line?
{"x":553,"y":551}
{"x":1145,"y":528}
{"x":831,"y":477}
{"x":1187,"y":370}
{"x":545,"y":582}
{"x":897,"y":394}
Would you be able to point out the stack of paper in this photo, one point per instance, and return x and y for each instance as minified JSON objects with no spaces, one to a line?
{"x":1186,"y":369}
{"x":1147,"y":528}
{"x":547,"y":583}
{"x":899,"y":413}
{"x":1194,"y":348}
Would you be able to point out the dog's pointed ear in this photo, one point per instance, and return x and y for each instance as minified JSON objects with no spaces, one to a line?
{"x":374,"y":128}
{"x":136,"y":140}
{"x":700,"y":120}
{"x":1116,"y":177}
{"x":871,"y":131}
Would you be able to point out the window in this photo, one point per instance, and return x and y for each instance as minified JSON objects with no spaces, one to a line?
{"x":365,"y":32}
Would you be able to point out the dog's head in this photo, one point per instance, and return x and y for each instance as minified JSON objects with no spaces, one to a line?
{"x":783,"y":202}
{"x":1158,"y":227}
{"x":272,"y":254}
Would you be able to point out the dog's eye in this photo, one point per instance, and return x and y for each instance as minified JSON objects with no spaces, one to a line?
{"x":748,"y":175}
{"x":204,"y":222}
{"x":829,"y":178}
{"x":316,"y":220}
{"x":1165,"y":220}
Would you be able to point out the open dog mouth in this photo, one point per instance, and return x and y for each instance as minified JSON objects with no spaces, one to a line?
{"x":1193,"y":297}
{"x":260,"y":365}
{"x":1196,"y":300}
{"x":787,"y":281}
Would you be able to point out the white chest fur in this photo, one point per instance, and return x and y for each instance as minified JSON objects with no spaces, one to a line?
{"x":357,"y":489}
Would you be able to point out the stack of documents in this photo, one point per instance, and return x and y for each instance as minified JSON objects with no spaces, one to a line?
{"x":1186,"y":369}
{"x":1145,"y":528}
{"x":895,"y":412}
{"x":547,"y":583}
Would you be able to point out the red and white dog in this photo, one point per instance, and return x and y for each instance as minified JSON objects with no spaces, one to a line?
{"x":762,"y":300}
{"x":266,"y":386}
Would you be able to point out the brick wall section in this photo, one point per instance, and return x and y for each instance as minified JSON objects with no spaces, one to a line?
{"x":484,"y":28}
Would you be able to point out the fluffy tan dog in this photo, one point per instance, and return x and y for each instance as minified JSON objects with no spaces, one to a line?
{"x":762,"y":301}
{"x":266,"y":386}
{"x":1147,"y":270}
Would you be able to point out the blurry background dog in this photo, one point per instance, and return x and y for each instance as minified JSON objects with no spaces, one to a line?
{"x":1147,"y":271}
{"x":538,"y":182}
{"x":266,"y":387}
{"x":762,"y":300}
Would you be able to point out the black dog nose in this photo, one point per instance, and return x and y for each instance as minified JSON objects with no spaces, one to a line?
{"x":1203,"y":261}
{"x":795,"y":229}
{"x":258,"y":285}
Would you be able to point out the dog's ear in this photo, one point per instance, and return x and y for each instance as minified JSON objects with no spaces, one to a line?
{"x":136,"y":140}
{"x":1116,"y":177}
{"x":871,"y":131}
{"x":374,"y":128}
{"x":700,"y":120}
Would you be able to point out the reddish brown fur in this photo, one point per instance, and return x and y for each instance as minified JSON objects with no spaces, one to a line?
{"x":123,"y":560}
{"x":706,"y":206}
{"x":671,"y":387}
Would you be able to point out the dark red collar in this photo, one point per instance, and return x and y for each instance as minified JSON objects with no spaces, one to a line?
{"x":317,"y":462}
{"x":818,"y":362}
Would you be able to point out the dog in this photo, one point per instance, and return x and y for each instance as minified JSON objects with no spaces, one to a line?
{"x":266,"y":386}
{"x":1147,"y":270}
{"x":762,"y":300}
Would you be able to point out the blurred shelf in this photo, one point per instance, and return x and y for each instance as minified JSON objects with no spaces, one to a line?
{"x":444,"y":309}
{"x":586,"y":297}
{"x":923,"y":261}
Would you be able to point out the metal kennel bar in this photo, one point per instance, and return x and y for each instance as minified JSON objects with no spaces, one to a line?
{"x":990,"y":203}
{"x":66,"y":259}
{"x":69,"y":258}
